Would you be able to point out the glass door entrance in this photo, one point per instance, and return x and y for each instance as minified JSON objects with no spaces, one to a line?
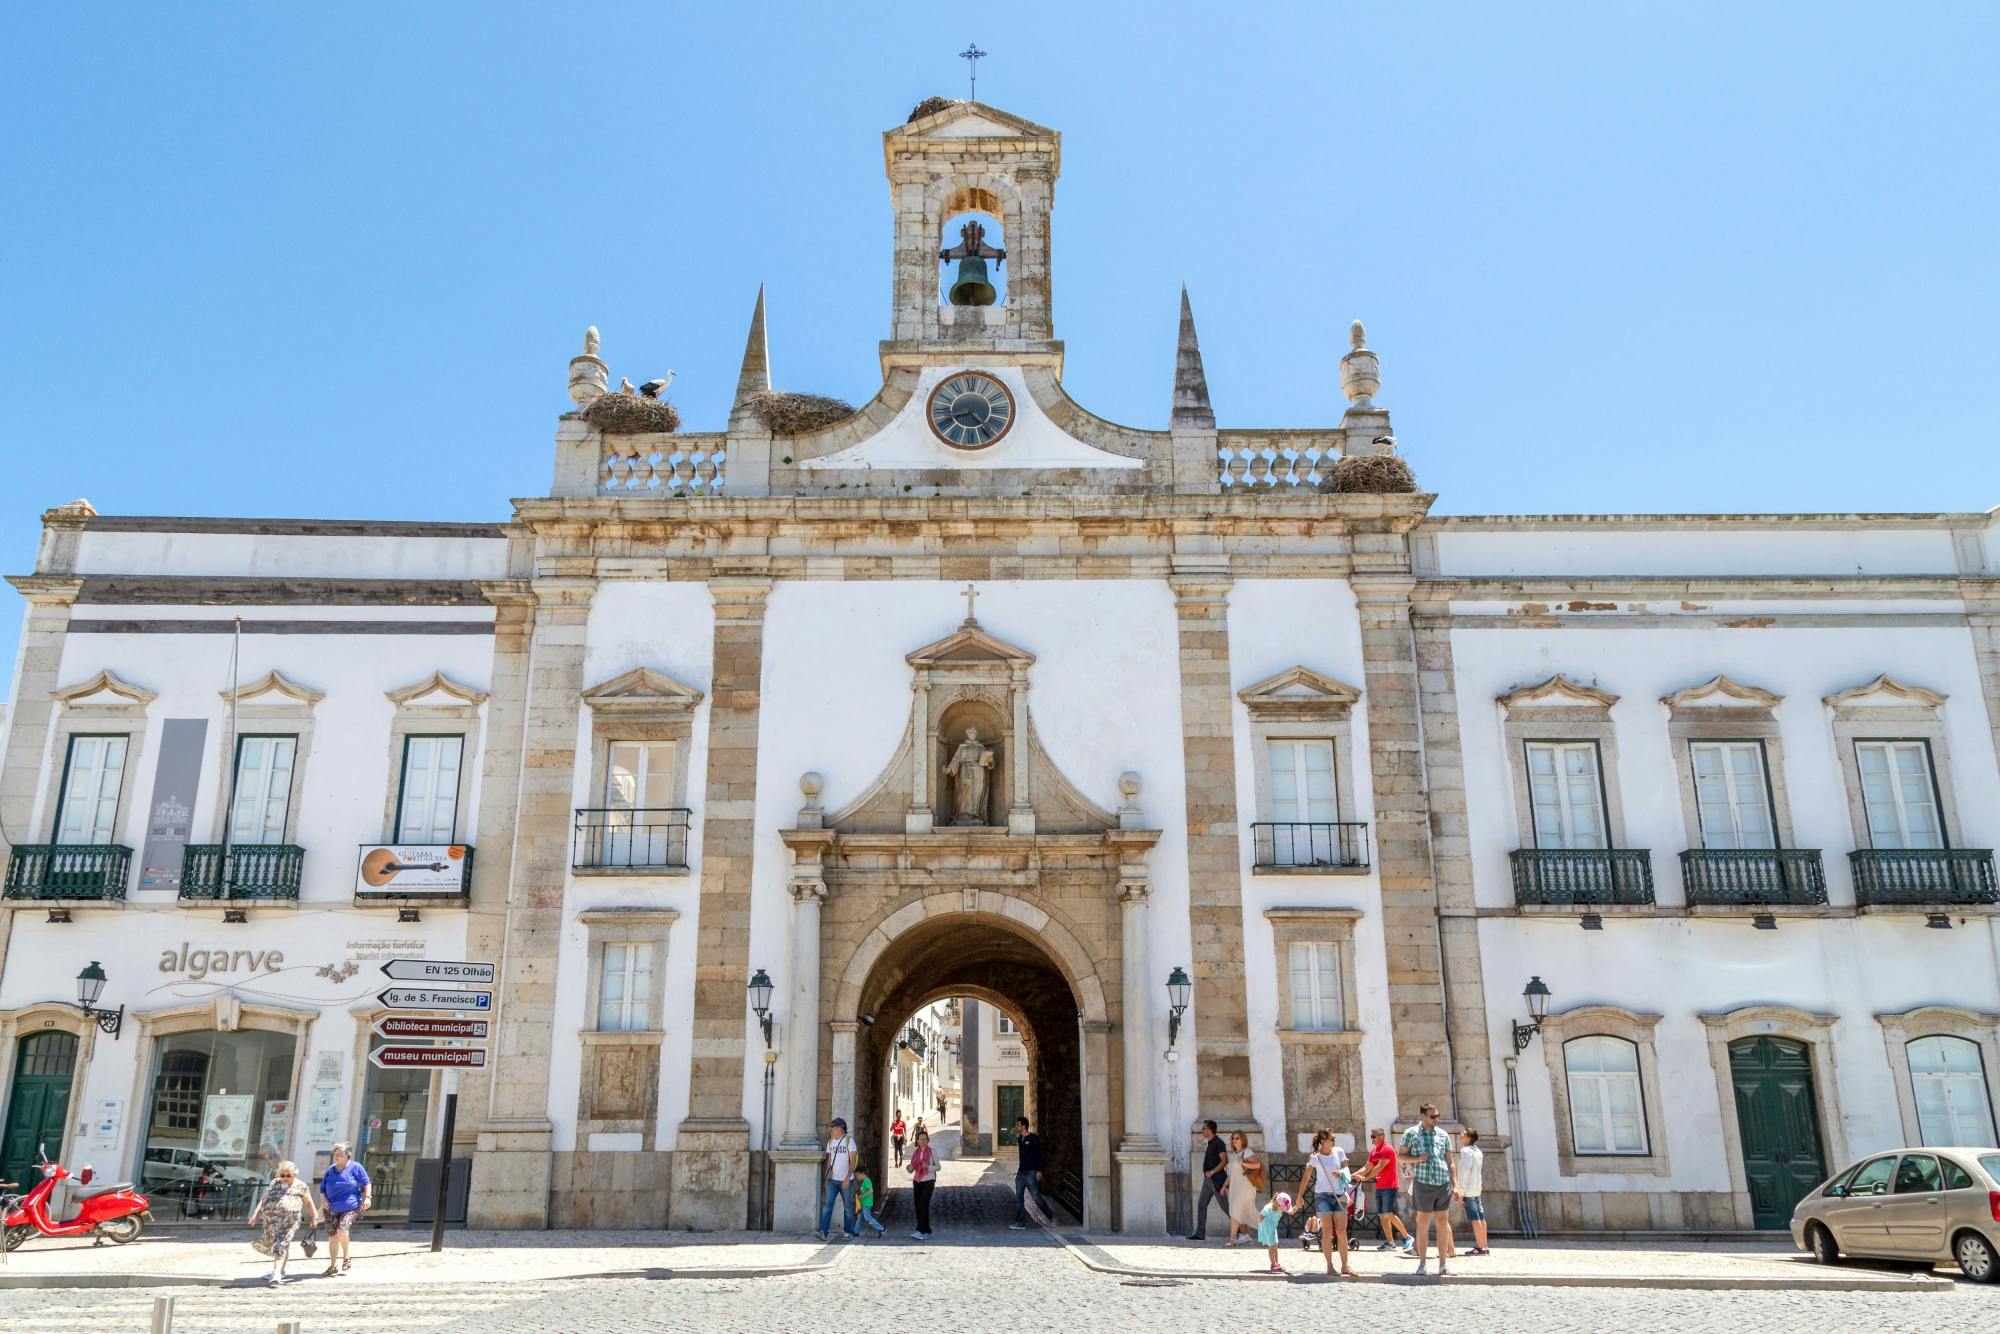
{"x":396,"y":1117}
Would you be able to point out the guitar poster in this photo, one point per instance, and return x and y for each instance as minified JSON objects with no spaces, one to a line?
{"x":404,"y":870}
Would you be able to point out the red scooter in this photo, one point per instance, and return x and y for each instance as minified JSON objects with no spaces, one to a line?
{"x":62,"y":1206}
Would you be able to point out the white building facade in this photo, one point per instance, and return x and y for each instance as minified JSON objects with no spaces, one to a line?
{"x":972,"y":694}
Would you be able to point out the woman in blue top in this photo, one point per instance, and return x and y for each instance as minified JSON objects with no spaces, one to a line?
{"x":345,"y":1191}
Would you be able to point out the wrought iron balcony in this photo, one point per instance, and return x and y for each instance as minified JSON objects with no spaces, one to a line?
{"x":1301,"y":847}
{"x":1728,"y":877}
{"x":227,"y":872}
{"x":1582,"y":877}
{"x":646,"y":838}
{"x":1920,"y":876}
{"x":83,"y":871}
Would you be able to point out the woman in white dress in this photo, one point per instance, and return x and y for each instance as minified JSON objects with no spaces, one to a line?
{"x":1244,"y":1165}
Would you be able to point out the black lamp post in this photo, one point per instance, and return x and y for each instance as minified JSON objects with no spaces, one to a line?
{"x":89,"y":986}
{"x":1536,"y":993}
{"x":760,"y":1001}
{"x":1179,"y":989}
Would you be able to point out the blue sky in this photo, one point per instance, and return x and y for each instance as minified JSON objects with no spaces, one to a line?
{"x":332,"y":260}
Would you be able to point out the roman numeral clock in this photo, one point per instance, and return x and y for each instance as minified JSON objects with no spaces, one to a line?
{"x":971,"y":410}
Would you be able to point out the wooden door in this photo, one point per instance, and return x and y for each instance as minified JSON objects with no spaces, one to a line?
{"x":1778,"y":1117}
{"x":37,"y":1105}
{"x":1010,"y":1102}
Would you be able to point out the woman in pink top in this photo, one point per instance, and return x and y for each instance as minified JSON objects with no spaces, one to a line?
{"x":923,"y":1182}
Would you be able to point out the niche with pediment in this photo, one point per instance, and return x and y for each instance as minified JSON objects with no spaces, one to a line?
{"x":969,"y":757}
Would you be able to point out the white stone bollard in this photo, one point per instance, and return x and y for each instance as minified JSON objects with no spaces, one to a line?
{"x":163,"y":1315}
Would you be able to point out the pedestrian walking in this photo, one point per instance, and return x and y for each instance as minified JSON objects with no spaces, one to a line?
{"x":1382,"y":1171}
{"x":1245,"y":1174}
{"x":1028,"y":1176}
{"x":347,"y":1194}
{"x":864,"y":1200}
{"x":923,"y":1183}
{"x":287,"y":1202}
{"x":841,"y":1160}
{"x":1434,"y":1173}
{"x":940,"y":1108}
{"x":897,"y":1130}
{"x":1332,"y":1191}
{"x":1214,"y":1179}
{"x":1267,"y":1227}
{"x":1471,"y":1178}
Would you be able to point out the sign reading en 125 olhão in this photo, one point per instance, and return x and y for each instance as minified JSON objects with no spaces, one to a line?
{"x":412,"y":870}
{"x":428,"y":1058}
{"x":440,"y":971}
{"x":439,"y":1030}
{"x":422,"y":998}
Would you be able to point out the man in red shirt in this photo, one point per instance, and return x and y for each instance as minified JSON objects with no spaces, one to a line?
{"x":1382,"y":1170}
{"x":896,"y":1132}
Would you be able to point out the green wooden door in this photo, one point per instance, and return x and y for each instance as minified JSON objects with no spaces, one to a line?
{"x":1779,"y":1120}
{"x":38,"y":1104}
{"x":1010,"y":1100}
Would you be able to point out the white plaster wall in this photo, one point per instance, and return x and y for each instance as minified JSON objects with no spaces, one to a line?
{"x":348,"y":774}
{"x":1275,"y":625}
{"x":1663,"y":547}
{"x":669,"y":627}
{"x":376,"y":557}
{"x":1105,"y":695}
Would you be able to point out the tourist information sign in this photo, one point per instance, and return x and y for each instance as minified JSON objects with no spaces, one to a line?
{"x":440,"y":971}
{"x":441,"y":1030}
{"x":422,"y":998}
{"x":428,"y":1058}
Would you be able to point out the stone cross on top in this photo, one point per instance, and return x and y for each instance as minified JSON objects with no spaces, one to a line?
{"x":971,"y":593}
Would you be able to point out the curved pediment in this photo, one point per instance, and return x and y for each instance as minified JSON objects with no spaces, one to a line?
{"x":274,"y":687}
{"x":436,"y":691}
{"x":1885,"y":691}
{"x":105,"y":688}
{"x":1721,"y":692}
{"x":1558,"y":692}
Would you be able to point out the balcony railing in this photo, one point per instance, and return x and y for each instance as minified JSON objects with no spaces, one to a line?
{"x":1923,"y":876}
{"x":648,"y":838}
{"x":224,"y":873}
{"x":67,"y":871}
{"x":1726,"y":877}
{"x":1582,"y":877}
{"x":1309,"y":846}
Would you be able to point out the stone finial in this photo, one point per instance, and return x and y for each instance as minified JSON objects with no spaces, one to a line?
{"x":1191,"y":408}
{"x":588,"y":375}
{"x":1129,"y":785}
{"x":811,"y":784}
{"x":78,"y":508}
{"x":1129,"y":814}
{"x":1360,"y":372}
{"x":810,"y":814}
{"x":755,"y":375}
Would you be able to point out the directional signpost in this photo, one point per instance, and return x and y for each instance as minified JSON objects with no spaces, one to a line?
{"x":440,"y":988}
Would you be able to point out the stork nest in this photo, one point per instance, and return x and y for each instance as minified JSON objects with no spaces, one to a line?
{"x":792,"y":414}
{"x":1371,"y":474}
{"x":632,"y":414}
{"x":930,"y":106}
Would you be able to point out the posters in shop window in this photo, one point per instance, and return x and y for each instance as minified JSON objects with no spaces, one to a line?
{"x":225,"y":1124}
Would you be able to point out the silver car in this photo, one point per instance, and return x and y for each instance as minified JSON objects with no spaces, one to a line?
{"x":1929,"y":1205}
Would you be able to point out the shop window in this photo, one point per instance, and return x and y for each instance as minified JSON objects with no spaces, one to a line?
{"x":220,"y":1121}
{"x":1607,"y":1111}
{"x":395,"y":1117}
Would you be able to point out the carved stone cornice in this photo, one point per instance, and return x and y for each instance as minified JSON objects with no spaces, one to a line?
{"x":1885,"y":685}
{"x":1558,"y":691}
{"x":124,"y":693}
{"x":1749,"y":696}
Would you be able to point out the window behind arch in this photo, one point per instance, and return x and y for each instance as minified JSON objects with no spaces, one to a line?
{"x":1606,"y":1108}
{"x":1948,"y":1080}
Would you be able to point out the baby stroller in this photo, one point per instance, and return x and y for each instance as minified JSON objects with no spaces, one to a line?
{"x":1360,"y":1224}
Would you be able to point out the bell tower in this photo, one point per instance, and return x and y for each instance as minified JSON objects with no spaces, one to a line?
{"x":972,"y":188}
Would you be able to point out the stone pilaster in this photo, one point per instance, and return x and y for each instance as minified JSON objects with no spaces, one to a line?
{"x":37,"y":669}
{"x":1451,"y":869}
{"x":1215,"y":876}
{"x":796,"y":1202}
{"x":1141,"y":1158}
{"x":511,"y":1185}
{"x":712,"y":1148}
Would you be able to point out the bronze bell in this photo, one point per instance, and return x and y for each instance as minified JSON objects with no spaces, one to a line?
{"x":972,"y":287}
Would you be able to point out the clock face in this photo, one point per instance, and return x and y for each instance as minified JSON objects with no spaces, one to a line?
{"x":970,"y":410}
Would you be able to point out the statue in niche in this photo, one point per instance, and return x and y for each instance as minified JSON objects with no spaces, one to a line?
{"x":970,"y":767}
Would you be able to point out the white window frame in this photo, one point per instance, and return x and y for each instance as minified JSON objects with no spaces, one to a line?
{"x":1733,"y":793}
{"x":1590,"y":1091}
{"x":654,"y":770}
{"x":263,"y":796}
{"x":97,"y":828}
{"x":1305,"y":808}
{"x":1321,"y":1009}
{"x":1563,"y":807}
{"x":1902,"y":787}
{"x":622,"y":960}
{"x":1003,"y":1026}
{"x":1968,"y":1106}
{"x":429,"y":813}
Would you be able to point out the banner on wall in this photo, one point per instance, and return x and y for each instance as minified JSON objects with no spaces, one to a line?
{"x":175,"y":777}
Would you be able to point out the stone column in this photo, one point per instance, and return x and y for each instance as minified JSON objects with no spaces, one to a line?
{"x":711,"y":1171}
{"x":510,"y":1189}
{"x":1215,"y":878}
{"x":795,"y":1205}
{"x":841,"y":1088}
{"x":1141,"y":1158}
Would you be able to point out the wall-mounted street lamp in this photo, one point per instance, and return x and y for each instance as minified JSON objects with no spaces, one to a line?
{"x":1179,"y":989}
{"x":1536,"y":993}
{"x":760,"y":1001}
{"x":89,"y":986}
